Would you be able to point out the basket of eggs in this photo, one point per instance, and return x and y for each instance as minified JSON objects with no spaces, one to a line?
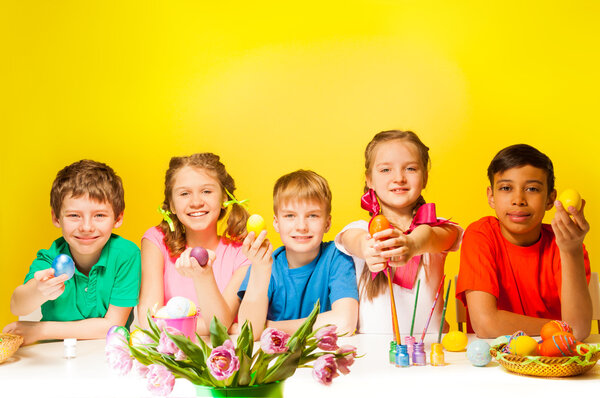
{"x":9,"y":344}
{"x":558,"y":354}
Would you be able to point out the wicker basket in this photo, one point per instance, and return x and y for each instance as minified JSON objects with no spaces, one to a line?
{"x":547,"y":366}
{"x":9,"y":344}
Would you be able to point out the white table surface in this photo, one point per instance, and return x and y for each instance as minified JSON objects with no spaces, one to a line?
{"x":41,"y":371}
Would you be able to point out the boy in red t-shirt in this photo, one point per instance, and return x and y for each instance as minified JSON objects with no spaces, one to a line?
{"x":515,"y":272}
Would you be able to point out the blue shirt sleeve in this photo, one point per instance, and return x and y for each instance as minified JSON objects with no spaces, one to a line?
{"x":244,"y":285}
{"x":342,"y":280}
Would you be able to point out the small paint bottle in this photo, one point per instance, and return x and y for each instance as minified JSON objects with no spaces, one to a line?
{"x":70,"y":349}
{"x":437,"y":355}
{"x":418,"y":355}
{"x":410,"y":344}
{"x":392,"y":353}
{"x":402,"y":360}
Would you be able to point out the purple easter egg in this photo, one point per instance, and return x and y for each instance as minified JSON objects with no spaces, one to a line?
{"x":200,"y":254}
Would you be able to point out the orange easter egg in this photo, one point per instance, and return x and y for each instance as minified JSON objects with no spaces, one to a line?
{"x":559,"y":345}
{"x":378,"y":223}
{"x":553,"y":327}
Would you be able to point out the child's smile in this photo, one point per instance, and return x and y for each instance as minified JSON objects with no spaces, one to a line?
{"x":196,"y":198}
{"x":86,"y":226}
{"x":301,"y":226}
{"x":397,"y":175}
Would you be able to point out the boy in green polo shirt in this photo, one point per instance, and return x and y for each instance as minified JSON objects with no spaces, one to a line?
{"x":87,"y":203}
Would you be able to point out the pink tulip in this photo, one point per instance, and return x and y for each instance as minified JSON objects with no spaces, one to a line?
{"x":116,"y":339}
{"x":273,"y":341}
{"x":325,"y":369}
{"x":140,"y":369}
{"x":327,"y":338}
{"x":344,"y":362}
{"x":180,"y":355}
{"x":118,"y":358}
{"x":222,"y":361}
{"x":160,"y":380}
{"x":165,"y":344}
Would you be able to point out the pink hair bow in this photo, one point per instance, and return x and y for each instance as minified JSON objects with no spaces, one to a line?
{"x":405,"y":276}
{"x":370,"y":203}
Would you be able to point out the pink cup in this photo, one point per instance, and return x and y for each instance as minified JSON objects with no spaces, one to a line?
{"x":186,"y":325}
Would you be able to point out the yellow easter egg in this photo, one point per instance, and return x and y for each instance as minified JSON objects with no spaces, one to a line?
{"x":455,"y":341}
{"x":523,"y":345}
{"x":192,"y":309}
{"x":255,"y":224}
{"x":570,"y":197}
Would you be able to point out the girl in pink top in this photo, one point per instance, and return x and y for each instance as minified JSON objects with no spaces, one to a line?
{"x":196,"y":193}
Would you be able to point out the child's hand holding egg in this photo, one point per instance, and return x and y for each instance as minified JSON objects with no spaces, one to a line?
{"x":570,"y":197}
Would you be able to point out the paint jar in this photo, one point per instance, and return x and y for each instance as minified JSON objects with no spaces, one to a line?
{"x":437,"y":355}
{"x":70,"y":349}
{"x":418,"y":355}
{"x":392,"y":353}
{"x":402,"y":360}
{"x":410,"y":344}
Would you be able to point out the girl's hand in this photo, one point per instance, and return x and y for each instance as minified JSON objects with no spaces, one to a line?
{"x":31,"y":331}
{"x":373,"y":257}
{"x":48,"y":286}
{"x":569,"y":232}
{"x":188,"y":266}
{"x":258,"y":250}
{"x":395,"y":247}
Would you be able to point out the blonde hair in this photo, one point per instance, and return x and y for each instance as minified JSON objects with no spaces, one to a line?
{"x":88,"y":177}
{"x":236,"y":221}
{"x":374,"y":287}
{"x":302,"y":185}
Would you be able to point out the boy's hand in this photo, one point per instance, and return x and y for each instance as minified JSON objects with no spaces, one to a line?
{"x":373,"y":257}
{"x":258,"y":250}
{"x":31,"y":331}
{"x":395,"y":247}
{"x":48,"y":286}
{"x":569,"y":232}
{"x":188,"y":266}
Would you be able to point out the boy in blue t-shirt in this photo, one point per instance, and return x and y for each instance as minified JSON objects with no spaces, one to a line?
{"x":282,"y":287}
{"x":87,"y":202}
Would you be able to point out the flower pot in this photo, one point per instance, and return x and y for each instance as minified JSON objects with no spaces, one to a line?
{"x":271,"y":390}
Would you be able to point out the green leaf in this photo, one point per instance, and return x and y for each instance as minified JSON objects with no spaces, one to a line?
{"x":298,"y":339}
{"x":153,"y":326}
{"x":243,"y":373}
{"x":218,"y":333}
{"x":193,"y":352}
{"x":205,"y":348}
{"x":285,"y":369}
{"x":245,"y":341}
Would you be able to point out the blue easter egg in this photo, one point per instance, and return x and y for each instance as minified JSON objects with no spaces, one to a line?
{"x":63,"y":264}
{"x":478,"y":353}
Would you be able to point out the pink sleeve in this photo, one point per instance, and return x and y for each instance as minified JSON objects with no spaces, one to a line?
{"x":156,"y":236}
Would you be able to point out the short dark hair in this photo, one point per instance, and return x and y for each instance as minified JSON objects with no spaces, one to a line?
{"x":520,"y":155}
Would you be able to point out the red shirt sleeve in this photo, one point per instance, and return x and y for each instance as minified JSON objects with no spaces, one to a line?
{"x":477,"y":262}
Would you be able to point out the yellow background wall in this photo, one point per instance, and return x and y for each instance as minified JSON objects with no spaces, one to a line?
{"x":273,"y":87}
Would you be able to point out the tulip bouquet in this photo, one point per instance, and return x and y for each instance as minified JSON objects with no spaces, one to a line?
{"x":162,"y":354}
